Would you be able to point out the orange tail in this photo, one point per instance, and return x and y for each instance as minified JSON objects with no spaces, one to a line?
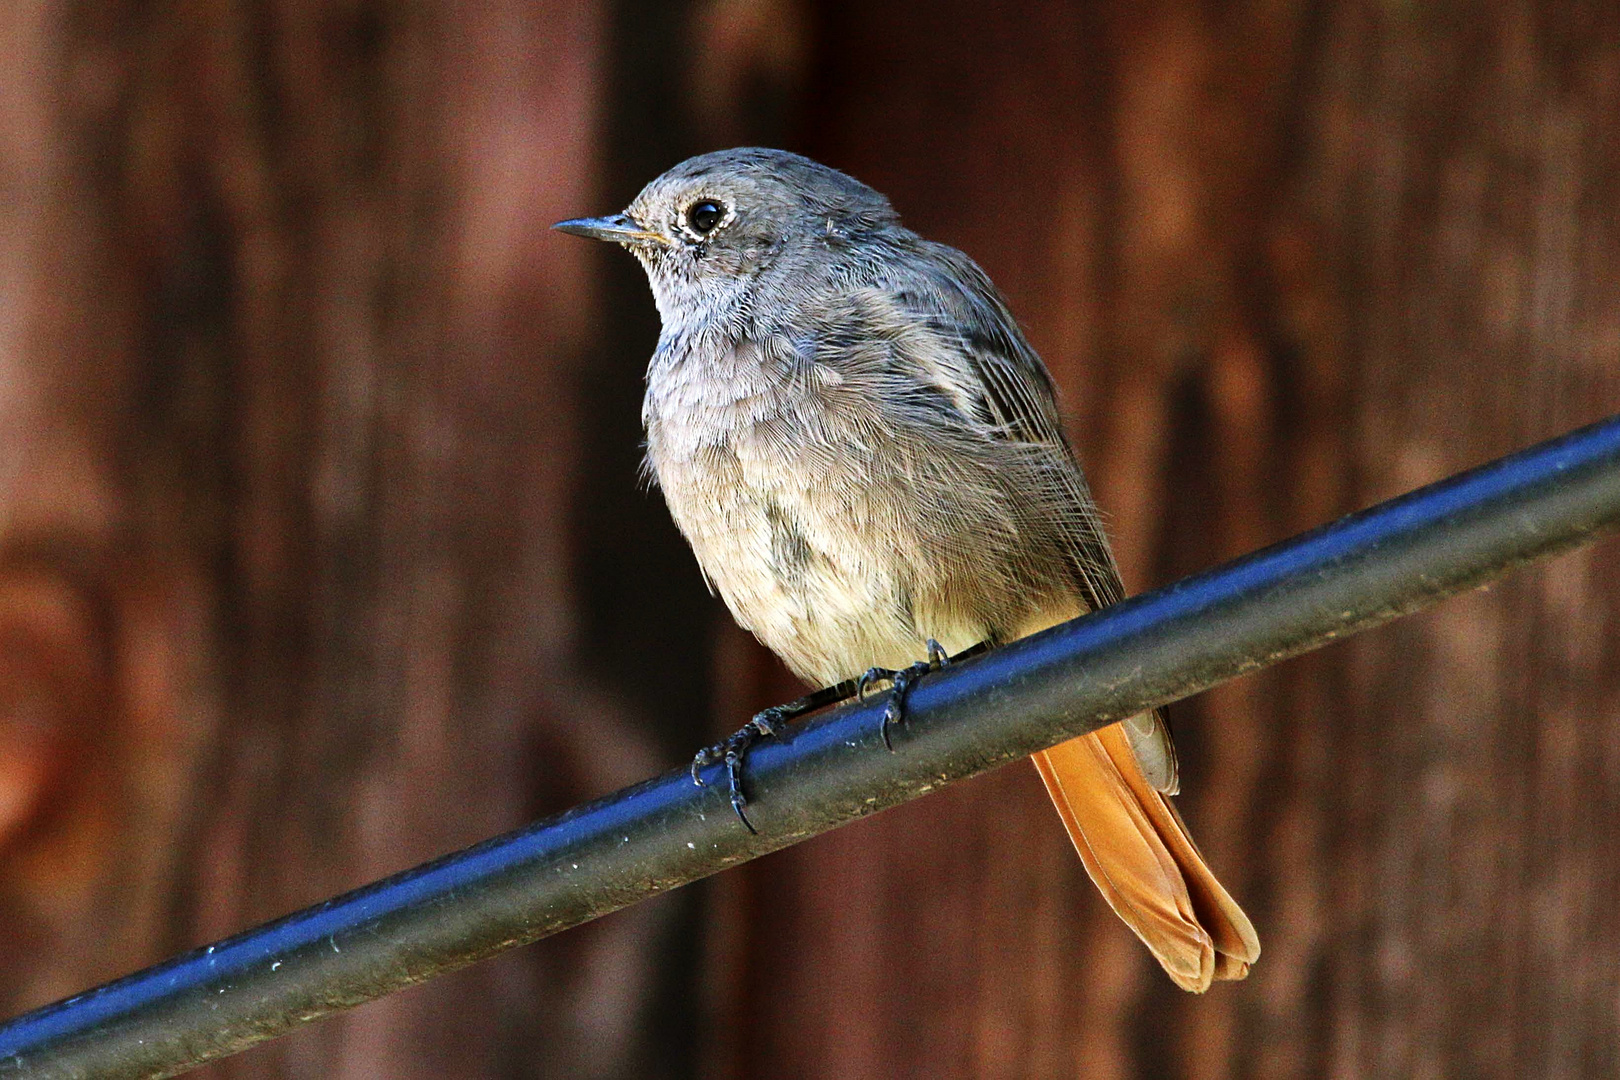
{"x":1136,"y":848}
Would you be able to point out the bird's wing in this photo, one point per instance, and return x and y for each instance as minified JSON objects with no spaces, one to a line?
{"x":1016,"y":398}
{"x":1109,"y":787}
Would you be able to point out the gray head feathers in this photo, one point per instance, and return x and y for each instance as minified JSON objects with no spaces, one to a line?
{"x":764,"y":194}
{"x":715,"y":225}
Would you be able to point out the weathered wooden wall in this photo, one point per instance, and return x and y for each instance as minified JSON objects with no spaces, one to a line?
{"x":321,"y":547}
{"x":289,"y":503}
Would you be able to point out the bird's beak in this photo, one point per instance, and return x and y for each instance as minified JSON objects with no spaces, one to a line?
{"x":620,"y":228}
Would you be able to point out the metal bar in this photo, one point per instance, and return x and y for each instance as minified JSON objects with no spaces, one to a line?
{"x":1356,"y":573}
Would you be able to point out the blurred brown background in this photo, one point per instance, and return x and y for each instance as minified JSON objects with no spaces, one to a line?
{"x":322,"y":549}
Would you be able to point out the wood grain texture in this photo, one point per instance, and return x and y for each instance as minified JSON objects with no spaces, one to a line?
{"x":285,"y":570}
{"x":321,"y":549}
{"x":1283,"y":262}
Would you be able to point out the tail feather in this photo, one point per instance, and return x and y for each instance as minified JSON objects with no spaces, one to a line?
{"x":1137,"y":849}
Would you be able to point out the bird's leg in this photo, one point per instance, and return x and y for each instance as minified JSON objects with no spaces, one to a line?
{"x":901,"y":682}
{"x":766,"y":723}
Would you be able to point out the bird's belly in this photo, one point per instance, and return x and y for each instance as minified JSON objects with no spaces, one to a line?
{"x":803,"y":566}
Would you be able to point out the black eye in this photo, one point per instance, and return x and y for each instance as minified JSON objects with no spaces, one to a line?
{"x":705,"y":215}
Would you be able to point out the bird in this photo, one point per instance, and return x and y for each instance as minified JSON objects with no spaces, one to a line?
{"x":867,"y":458}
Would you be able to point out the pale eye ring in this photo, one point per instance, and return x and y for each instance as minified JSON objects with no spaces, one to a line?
{"x":703,"y":215}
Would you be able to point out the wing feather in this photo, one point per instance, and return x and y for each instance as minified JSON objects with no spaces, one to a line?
{"x":1017,"y":400}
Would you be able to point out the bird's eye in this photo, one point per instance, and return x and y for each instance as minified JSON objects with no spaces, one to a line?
{"x":704,"y":216}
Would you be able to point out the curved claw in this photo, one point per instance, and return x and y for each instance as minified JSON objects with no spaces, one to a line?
{"x":872,"y":675}
{"x":702,"y":759}
{"x":895,"y":711}
{"x":891,"y":715}
{"x":734,"y":761}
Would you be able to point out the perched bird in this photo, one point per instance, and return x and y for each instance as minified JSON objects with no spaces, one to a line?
{"x":866,"y":457}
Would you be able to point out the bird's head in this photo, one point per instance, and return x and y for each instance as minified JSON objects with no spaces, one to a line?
{"x":713,"y":226}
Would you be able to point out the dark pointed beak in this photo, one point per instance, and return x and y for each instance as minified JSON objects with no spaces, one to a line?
{"x":620,"y":228}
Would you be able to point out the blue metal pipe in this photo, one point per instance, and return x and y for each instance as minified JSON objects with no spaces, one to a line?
{"x":1358,"y":572}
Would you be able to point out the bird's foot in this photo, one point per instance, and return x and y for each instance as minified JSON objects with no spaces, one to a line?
{"x":766,"y":724}
{"x":901,"y":682}
{"x":733,"y":750}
